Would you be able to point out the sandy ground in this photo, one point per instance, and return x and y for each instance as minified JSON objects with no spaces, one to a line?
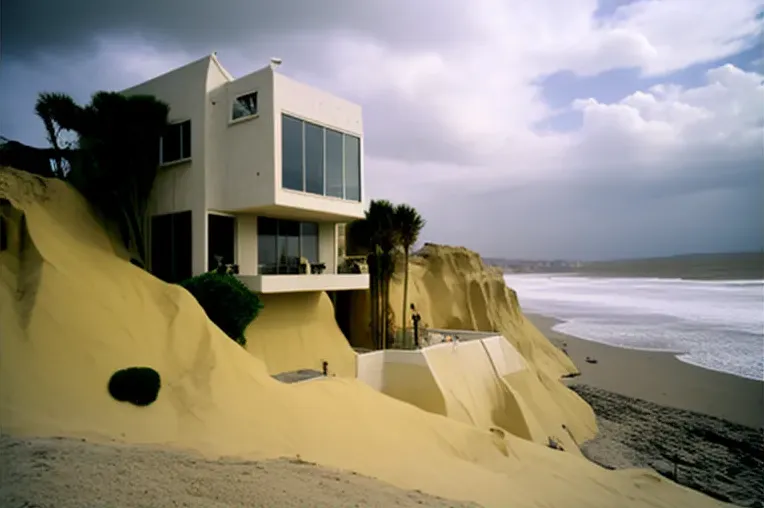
{"x":655,"y":411}
{"x":662,"y":379}
{"x":71,"y":473}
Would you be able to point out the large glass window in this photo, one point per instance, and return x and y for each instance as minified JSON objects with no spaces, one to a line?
{"x":291,"y":154}
{"x":320,"y":161}
{"x":352,"y":168}
{"x":334,"y":164}
{"x":281,"y":244}
{"x":267,"y":254}
{"x":175,"y":145}
{"x":314,"y":159}
{"x":309,"y":241}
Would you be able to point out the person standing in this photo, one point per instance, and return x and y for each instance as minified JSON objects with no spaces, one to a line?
{"x":415,"y":318}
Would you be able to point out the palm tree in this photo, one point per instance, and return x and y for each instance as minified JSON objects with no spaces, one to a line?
{"x":409,"y":225}
{"x":377,"y":237}
{"x":116,"y":158}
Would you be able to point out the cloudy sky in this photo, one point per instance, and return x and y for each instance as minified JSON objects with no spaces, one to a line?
{"x":539,"y":128}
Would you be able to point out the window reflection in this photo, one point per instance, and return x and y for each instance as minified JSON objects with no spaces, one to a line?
{"x":282,"y":243}
{"x":320,"y":161}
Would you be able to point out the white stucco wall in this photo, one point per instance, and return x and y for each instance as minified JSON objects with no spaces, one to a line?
{"x":327,"y":246}
{"x":243,"y":168}
{"x":246,"y":243}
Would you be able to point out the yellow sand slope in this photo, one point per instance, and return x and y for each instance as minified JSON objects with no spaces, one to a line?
{"x":479,"y":299}
{"x":475,"y":394}
{"x":72,"y":312}
{"x":298,"y":331}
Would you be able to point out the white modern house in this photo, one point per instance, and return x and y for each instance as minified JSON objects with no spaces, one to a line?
{"x":259,"y":171}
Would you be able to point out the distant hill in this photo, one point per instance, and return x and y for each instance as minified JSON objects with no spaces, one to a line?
{"x":734,"y":266}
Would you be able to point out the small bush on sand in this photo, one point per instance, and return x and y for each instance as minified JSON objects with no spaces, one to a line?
{"x":227,"y":302}
{"x":136,"y":385}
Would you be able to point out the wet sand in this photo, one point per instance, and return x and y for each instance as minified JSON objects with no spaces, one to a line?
{"x":704,"y":429}
{"x":661,"y":378}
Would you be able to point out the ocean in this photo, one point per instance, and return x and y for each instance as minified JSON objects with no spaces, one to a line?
{"x":718,"y":325}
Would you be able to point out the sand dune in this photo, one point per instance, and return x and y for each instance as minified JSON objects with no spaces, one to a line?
{"x":298,"y":331}
{"x":72,"y":312}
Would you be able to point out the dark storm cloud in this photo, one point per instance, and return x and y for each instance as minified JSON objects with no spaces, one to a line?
{"x":31,"y":27}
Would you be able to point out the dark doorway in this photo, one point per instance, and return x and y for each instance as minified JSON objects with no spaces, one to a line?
{"x":221,"y":240}
{"x":171,"y":246}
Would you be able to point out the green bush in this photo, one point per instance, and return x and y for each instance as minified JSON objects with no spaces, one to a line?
{"x":136,"y":385}
{"x":227,"y":302}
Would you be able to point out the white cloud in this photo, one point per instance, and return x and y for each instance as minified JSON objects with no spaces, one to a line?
{"x":467,"y":109}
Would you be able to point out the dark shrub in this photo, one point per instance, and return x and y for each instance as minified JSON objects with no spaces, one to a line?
{"x":227,"y":302}
{"x":136,"y":385}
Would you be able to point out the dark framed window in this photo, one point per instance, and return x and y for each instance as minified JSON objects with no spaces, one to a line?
{"x":175,"y":145}
{"x":335,"y":163}
{"x":292,"y":154}
{"x":318,"y":160}
{"x":171,"y":246}
{"x":281,"y":243}
{"x":352,"y":168}
{"x":221,"y":240}
{"x":244,"y":106}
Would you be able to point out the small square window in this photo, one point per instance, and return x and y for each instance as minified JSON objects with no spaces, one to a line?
{"x":244,"y":106}
{"x":175,"y":145}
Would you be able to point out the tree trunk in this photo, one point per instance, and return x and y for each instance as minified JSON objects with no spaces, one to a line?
{"x":383,"y":311}
{"x":374,"y":299}
{"x":405,"y":294}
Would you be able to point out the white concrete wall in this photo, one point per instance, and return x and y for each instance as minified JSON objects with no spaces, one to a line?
{"x":321,"y":108}
{"x":327,"y":246}
{"x":244,"y":167}
{"x":371,"y":367}
{"x":246,"y":243}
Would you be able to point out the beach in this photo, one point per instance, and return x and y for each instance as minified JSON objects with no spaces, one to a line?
{"x":660,"y":378}
{"x":74,"y":473}
{"x":654,"y":411}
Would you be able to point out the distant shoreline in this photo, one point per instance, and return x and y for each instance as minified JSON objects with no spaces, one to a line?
{"x":732,"y":267}
{"x":643,"y":275}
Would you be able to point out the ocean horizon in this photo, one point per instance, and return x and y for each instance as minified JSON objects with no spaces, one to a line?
{"x":714,"y":324}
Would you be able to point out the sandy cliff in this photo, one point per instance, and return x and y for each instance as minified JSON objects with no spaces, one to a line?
{"x":72,"y":312}
{"x":453,"y":289}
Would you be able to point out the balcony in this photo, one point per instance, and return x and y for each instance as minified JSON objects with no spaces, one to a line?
{"x":291,"y":276}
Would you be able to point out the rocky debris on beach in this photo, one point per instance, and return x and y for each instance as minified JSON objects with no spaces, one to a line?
{"x":722,"y":459}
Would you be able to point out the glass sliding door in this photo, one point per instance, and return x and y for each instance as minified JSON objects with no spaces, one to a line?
{"x":309,"y":241}
{"x":267,"y":253}
{"x":282,"y":243}
{"x":289,"y":246}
